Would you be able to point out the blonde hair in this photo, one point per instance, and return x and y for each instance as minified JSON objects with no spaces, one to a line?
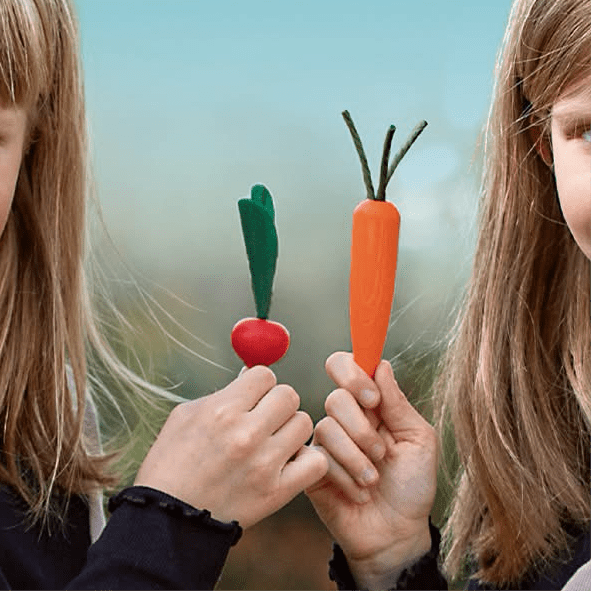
{"x":515,"y":382}
{"x":47,"y":324}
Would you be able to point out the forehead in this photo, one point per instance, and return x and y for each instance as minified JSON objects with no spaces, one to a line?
{"x":575,"y":101}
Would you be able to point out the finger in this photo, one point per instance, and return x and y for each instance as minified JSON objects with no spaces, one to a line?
{"x":306,"y":469}
{"x":397,"y":413}
{"x":249,"y":387}
{"x":373,"y":416}
{"x":345,"y":373}
{"x":341,"y":479}
{"x":292,"y":436}
{"x":275,"y":408}
{"x":342,"y":406}
{"x":334,"y":439}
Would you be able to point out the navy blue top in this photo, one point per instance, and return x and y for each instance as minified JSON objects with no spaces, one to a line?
{"x":151,"y":541}
{"x":425,"y":574}
{"x":154,"y":541}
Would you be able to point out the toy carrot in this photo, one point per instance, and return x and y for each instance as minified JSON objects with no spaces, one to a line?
{"x":374,"y":253}
{"x":259,"y":341}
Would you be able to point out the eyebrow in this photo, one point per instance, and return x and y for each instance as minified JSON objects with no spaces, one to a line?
{"x":572,"y":117}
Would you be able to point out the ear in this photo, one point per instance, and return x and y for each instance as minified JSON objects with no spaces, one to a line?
{"x":542,"y":143}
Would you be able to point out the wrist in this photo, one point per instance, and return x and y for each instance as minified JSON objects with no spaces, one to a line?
{"x":383,"y":570}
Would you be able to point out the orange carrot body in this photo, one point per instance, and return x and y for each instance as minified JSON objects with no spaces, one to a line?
{"x":374,"y":252}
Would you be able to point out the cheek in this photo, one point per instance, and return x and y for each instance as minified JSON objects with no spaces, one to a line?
{"x":9,"y":170}
{"x":5,"y":204}
{"x":574,"y":192}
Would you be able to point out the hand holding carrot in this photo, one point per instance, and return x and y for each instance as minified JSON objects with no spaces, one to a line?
{"x":381,"y":524}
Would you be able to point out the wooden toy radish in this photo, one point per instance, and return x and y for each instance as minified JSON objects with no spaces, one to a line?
{"x":374,"y":252}
{"x":259,"y":341}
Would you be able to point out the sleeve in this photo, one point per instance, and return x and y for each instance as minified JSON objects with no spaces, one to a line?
{"x":155,"y":541}
{"x":423,"y":575}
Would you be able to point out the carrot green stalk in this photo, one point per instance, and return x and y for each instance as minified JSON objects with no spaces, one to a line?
{"x":374,"y":253}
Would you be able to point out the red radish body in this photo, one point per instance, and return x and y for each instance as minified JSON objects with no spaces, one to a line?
{"x":259,"y":342}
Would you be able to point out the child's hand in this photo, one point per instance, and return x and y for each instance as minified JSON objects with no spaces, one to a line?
{"x":231,"y":452}
{"x":382,"y":524}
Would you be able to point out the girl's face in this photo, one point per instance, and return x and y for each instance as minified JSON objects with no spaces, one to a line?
{"x":571,"y":150}
{"x":13,"y":127}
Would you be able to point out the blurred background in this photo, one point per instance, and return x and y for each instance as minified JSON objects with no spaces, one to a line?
{"x":190,"y":103}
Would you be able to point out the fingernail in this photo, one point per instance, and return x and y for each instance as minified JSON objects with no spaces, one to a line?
{"x":368,"y":397}
{"x":369,"y":476}
{"x":378,"y":451}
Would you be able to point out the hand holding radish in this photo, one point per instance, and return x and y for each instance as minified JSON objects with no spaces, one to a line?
{"x":238,"y":453}
{"x":380,"y":487}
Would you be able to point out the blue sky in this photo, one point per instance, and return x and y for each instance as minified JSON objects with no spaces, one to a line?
{"x":190,"y":102}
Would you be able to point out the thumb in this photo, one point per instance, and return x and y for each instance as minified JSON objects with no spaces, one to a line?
{"x":397,"y":413}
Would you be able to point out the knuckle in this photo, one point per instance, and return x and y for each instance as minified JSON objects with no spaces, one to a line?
{"x":350,"y":380}
{"x":331,"y":360}
{"x":336,"y":358}
{"x":330,"y":402}
{"x":264,"y":374}
{"x":366,"y":436}
{"x":334,"y":400}
{"x":347,"y":374}
{"x":307,"y":425}
{"x":291,"y":396}
{"x":263,"y":470}
{"x":182,"y":412}
{"x":222,"y":414}
{"x":263,"y":477}
{"x":241,"y":443}
{"x":178,"y":412}
{"x":324,"y":427}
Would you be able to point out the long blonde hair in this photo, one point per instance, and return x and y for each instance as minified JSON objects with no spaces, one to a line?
{"x":47,"y":324}
{"x":515,"y":382}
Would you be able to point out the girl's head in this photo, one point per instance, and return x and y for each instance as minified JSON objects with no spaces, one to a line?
{"x":543,"y":96}
{"x":42,"y":299}
{"x":47,"y":324}
{"x":545,"y":83}
{"x":40,"y":88}
{"x":516,"y":379}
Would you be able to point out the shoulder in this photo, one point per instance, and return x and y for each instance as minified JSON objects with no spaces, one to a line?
{"x":569,"y":565}
{"x":581,"y":580}
{"x":35,"y":557}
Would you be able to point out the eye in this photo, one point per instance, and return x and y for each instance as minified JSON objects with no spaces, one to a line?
{"x":583,"y":131}
{"x":579,"y":130}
